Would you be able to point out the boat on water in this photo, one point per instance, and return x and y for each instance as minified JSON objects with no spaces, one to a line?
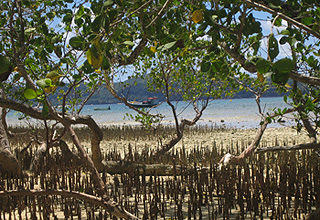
{"x":150,"y":102}
{"x":101,"y":108}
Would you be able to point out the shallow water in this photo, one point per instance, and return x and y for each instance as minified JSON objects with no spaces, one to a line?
{"x":237,"y":113}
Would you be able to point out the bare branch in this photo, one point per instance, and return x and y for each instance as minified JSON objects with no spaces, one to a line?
{"x":180,"y":128}
{"x":311,"y":80}
{"x":112,"y":206}
{"x":159,"y":14}
{"x":135,"y":53}
{"x":239,"y":38}
{"x":134,"y":11}
{"x":124,"y":100}
{"x":253,"y":69}
{"x":283,"y":16}
{"x":228,"y":158}
{"x":90,"y":95}
{"x":238,"y":57}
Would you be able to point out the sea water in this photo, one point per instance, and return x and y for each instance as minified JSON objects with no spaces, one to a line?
{"x":235,"y":113}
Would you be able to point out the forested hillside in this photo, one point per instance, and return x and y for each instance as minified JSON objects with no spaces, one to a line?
{"x":137,"y":90}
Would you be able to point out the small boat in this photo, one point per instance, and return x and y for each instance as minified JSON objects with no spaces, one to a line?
{"x":101,"y":108}
{"x":150,"y":102}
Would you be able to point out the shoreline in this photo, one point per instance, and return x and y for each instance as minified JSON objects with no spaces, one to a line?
{"x":232,"y":122}
{"x":238,"y":113}
{"x":119,"y":138}
{"x":206,"y":138}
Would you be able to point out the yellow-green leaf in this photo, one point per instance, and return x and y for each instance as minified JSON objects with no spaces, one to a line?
{"x":184,"y":51}
{"x":30,"y":94}
{"x":129,"y":43}
{"x":197,"y":16}
{"x":54,"y":76}
{"x":94,"y":55}
{"x":153,"y":49}
{"x":260,"y":77}
{"x":287,"y":85}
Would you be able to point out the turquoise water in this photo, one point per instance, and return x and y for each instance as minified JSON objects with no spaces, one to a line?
{"x":238,"y":113}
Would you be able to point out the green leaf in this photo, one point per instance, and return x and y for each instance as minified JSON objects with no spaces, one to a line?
{"x":285,"y":99}
{"x":77,"y":43}
{"x":106,"y":24}
{"x":61,"y":84}
{"x":4,"y":64}
{"x":273,"y":47}
{"x":80,"y":12}
{"x":86,"y":67}
{"x":130,"y":43}
{"x":205,"y":66}
{"x":307,"y":20}
{"x":167,"y":46}
{"x":281,"y":70}
{"x":273,"y":6}
{"x":29,"y":30}
{"x":108,"y":3}
{"x":50,"y":15}
{"x":284,"y":65}
{"x":209,"y":17}
{"x":97,"y":23}
{"x":48,"y":81}
{"x":280,"y":78}
{"x":67,"y":18}
{"x":30,"y":94}
{"x":39,"y":92}
{"x":263,"y":66}
{"x":105,"y":63}
{"x":283,"y":40}
{"x":43,"y":83}
{"x":216,"y":65}
{"x":26,"y":3}
{"x":285,"y":32}
{"x":278,"y":22}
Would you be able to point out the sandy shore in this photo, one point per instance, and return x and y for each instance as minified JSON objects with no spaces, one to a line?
{"x":119,"y":138}
{"x":207,"y":138}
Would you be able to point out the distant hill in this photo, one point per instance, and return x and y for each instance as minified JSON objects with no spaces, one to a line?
{"x":138,"y":91}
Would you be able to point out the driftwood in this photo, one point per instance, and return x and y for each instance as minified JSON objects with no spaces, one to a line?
{"x":293,"y":147}
{"x":111,"y":167}
{"x":117,"y":167}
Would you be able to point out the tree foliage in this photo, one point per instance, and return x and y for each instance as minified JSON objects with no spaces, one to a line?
{"x":190,"y":44}
{"x":198,"y":49}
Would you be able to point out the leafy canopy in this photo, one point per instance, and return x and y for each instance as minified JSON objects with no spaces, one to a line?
{"x":195,"y":48}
